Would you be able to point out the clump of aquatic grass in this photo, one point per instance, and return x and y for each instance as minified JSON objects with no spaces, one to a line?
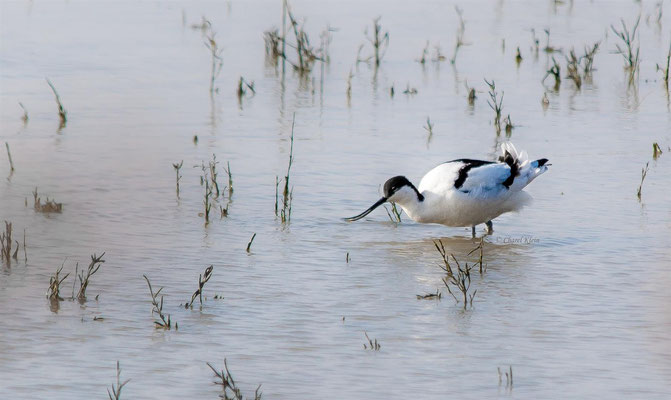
{"x":430,"y":296}
{"x":644,"y":172}
{"x":54,"y":290}
{"x":212,"y":166}
{"x":195,"y":139}
{"x":305,"y":53}
{"x":177,"y":167}
{"x":394,"y":214}
{"x":9,"y":156}
{"x":555,"y":71}
{"x":6,"y":244}
{"x":217,"y":62}
{"x":347,"y":257}
{"x":656,"y":151}
{"x":115,"y":394}
{"x":572,"y":68}
{"x":457,"y":276}
{"x":243,"y":85}
{"x":630,"y":47}
{"x":496,"y":104}
{"x":460,"y":34}
{"x":62,"y":112}
{"x":590,"y":52}
{"x":228,"y":385}
{"x":287,"y":194}
{"x":379,"y":40}
{"x":249,"y":245}
{"x":509,"y":377}
{"x":24,"y":118}
{"x":202,"y":280}
{"x":49,"y":206}
{"x":273,"y":39}
{"x":429,"y":129}
{"x":665,"y":71}
{"x":163,"y":321}
{"x":372,"y":344}
{"x":85,"y":276}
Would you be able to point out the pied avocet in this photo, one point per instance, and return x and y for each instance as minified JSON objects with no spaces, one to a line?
{"x":465,"y":192}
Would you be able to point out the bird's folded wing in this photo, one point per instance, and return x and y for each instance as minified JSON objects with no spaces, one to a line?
{"x":486,"y":178}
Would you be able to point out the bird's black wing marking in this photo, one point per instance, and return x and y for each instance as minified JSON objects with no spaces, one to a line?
{"x":514,"y":168}
{"x":468,"y":165}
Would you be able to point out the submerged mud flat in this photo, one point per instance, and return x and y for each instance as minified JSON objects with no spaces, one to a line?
{"x":573,"y":294}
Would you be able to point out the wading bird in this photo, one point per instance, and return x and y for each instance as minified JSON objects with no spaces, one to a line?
{"x":465,"y":192}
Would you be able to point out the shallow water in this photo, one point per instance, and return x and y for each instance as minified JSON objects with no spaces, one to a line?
{"x":575,"y":297}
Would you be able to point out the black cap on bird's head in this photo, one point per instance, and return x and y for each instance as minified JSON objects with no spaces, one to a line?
{"x":390,"y":188}
{"x":394,"y":184}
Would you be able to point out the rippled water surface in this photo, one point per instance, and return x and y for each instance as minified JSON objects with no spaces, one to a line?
{"x":576,"y":293}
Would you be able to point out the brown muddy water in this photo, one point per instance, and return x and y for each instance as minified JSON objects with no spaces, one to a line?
{"x":576,"y":293}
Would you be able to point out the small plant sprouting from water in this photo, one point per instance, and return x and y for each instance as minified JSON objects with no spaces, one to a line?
{"x":54,"y":290}
{"x":243,"y":85}
{"x":85,"y":276}
{"x":665,"y":71}
{"x":394,"y":214}
{"x":50,"y":206}
{"x":230,"y":180}
{"x":460,"y":34}
{"x":24,"y":118}
{"x":9,"y":156}
{"x":249,"y":245}
{"x":630,"y":49}
{"x":207,"y":199}
{"x":62,"y":112}
{"x":425,"y":53}
{"x":430,"y":296}
{"x":572,"y":68}
{"x":429,"y":129}
{"x":644,"y":173}
{"x":228,"y":385}
{"x":495,"y":103}
{"x":555,"y":71}
{"x":177,"y":167}
{"x":548,"y":48}
{"x":217,"y":61}
{"x":202,"y":280}
{"x":656,"y":151}
{"x":379,"y":40}
{"x":115,"y":394}
{"x":508,"y":126}
{"x":457,"y":276}
{"x":287,"y":194}
{"x":589,"y":58}
{"x":372,"y":344}
{"x":163,"y":321}
{"x":509,"y":377}
{"x":6,"y":244}
{"x":481,"y":248}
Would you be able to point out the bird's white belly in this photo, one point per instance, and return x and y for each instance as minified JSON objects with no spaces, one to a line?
{"x":460,"y":209}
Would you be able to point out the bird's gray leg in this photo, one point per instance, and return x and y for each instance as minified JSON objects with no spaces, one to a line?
{"x":490,"y":227}
{"x":473,"y":231}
